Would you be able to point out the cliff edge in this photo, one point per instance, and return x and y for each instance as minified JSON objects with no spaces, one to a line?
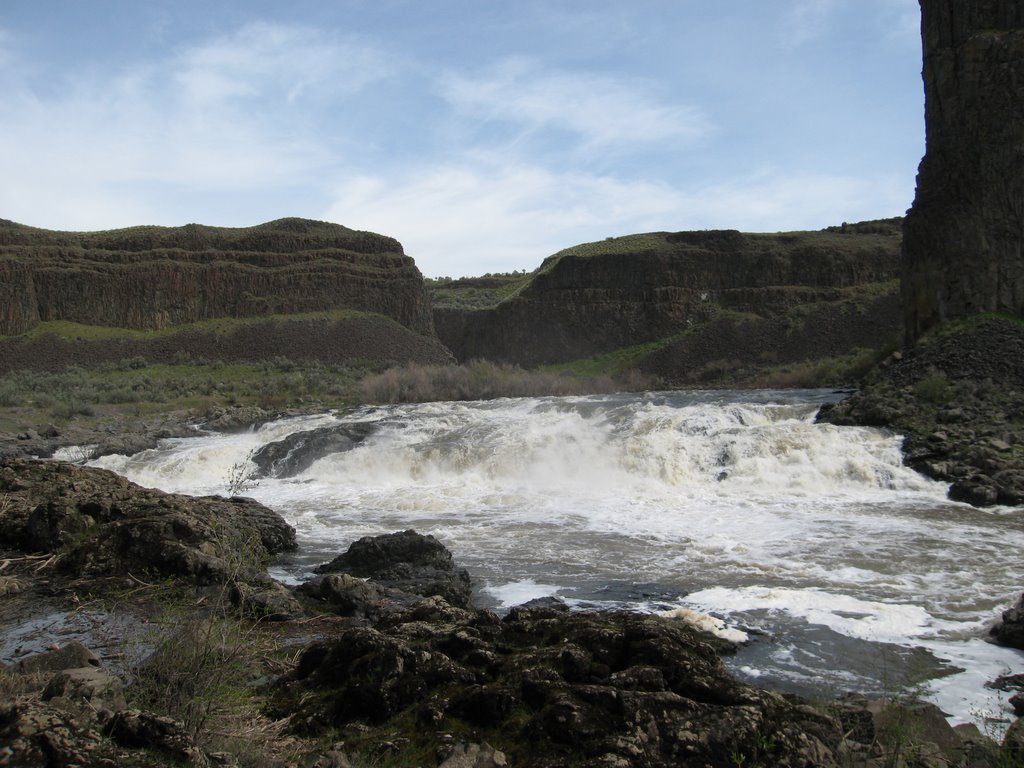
{"x":962,"y":248}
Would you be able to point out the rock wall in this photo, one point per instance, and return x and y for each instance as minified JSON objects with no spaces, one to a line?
{"x":628,"y":291}
{"x":154,"y":277}
{"x":964,"y":235}
{"x":18,"y":309}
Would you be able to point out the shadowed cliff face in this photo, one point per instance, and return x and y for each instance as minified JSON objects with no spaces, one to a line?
{"x":631,"y":290}
{"x":964,"y":235}
{"x":154,"y":277}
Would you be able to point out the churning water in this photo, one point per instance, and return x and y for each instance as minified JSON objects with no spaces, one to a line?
{"x":847,"y":570}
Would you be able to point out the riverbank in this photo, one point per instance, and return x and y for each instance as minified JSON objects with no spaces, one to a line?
{"x":193,"y":656}
{"x":958,"y":398}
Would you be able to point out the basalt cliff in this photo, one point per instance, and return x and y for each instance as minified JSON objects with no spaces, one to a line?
{"x":956,"y":392}
{"x":963,"y":236}
{"x":153,"y":277}
{"x":158,"y":278}
{"x":697,"y":297}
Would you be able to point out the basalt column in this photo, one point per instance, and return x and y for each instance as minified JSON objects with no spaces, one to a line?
{"x":963,"y":246}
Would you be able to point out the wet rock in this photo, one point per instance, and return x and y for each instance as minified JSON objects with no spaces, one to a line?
{"x":264,"y":598}
{"x":295,"y":453}
{"x":235,"y":418}
{"x":979,"y":491}
{"x":68,"y":656}
{"x":101,"y":525}
{"x":347,"y":595}
{"x":956,"y":399}
{"x":83,"y":687}
{"x":1007,"y":683}
{"x":1010,"y":630}
{"x":561,"y":688}
{"x":1017,"y":702}
{"x":372,"y":556}
{"x":127,"y":444}
{"x":406,"y":561}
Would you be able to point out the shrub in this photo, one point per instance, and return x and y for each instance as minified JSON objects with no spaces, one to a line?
{"x":934,"y":388}
{"x":66,"y":411}
{"x":10,"y":395}
{"x":482,"y":380}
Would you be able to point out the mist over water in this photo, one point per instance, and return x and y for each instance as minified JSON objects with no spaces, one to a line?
{"x":848,"y":570}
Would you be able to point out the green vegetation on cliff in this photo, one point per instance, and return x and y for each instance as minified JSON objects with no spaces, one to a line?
{"x":288,"y":235}
{"x":475,"y":292}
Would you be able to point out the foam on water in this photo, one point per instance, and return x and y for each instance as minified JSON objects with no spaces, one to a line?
{"x":860,"y":619}
{"x":814,"y":534}
{"x":518,"y":592}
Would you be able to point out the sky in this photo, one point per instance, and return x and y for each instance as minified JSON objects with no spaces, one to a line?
{"x":483,"y":135}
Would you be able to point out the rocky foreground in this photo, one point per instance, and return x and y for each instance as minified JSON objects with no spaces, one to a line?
{"x":380,"y":659}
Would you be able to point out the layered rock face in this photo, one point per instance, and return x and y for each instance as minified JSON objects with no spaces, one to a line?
{"x":626,"y":291}
{"x":153,"y":277}
{"x":964,"y":235}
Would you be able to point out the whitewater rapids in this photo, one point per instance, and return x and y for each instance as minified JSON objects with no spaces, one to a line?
{"x":847,"y":570}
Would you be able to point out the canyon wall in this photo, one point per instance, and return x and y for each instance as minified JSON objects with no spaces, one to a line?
{"x":964,"y":235}
{"x":626,"y":291}
{"x":154,"y":277}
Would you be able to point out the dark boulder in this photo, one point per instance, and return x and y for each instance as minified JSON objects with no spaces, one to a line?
{"x":295,"y":453}
{"x":88,"y":689}
{"x":68,"y":656}
{"x":550,"y":687}
{"x":885,"y":731}
{"x":406,"y":561}
{"x":260,"y":597}
{"x":99,"y":524}
{"x":1010,"y":631}
{"x":348,"y":595}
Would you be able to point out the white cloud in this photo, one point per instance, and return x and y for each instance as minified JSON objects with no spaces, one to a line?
{"x":234,"y":114}
{"x":772,"y":201}
{"x":281,"y":62}
{"x":602,"y":110}
{"x":483,"y":216}
{"x":471,"y":218}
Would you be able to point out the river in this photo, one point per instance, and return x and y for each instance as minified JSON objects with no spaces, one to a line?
{"x":846,"y":570}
